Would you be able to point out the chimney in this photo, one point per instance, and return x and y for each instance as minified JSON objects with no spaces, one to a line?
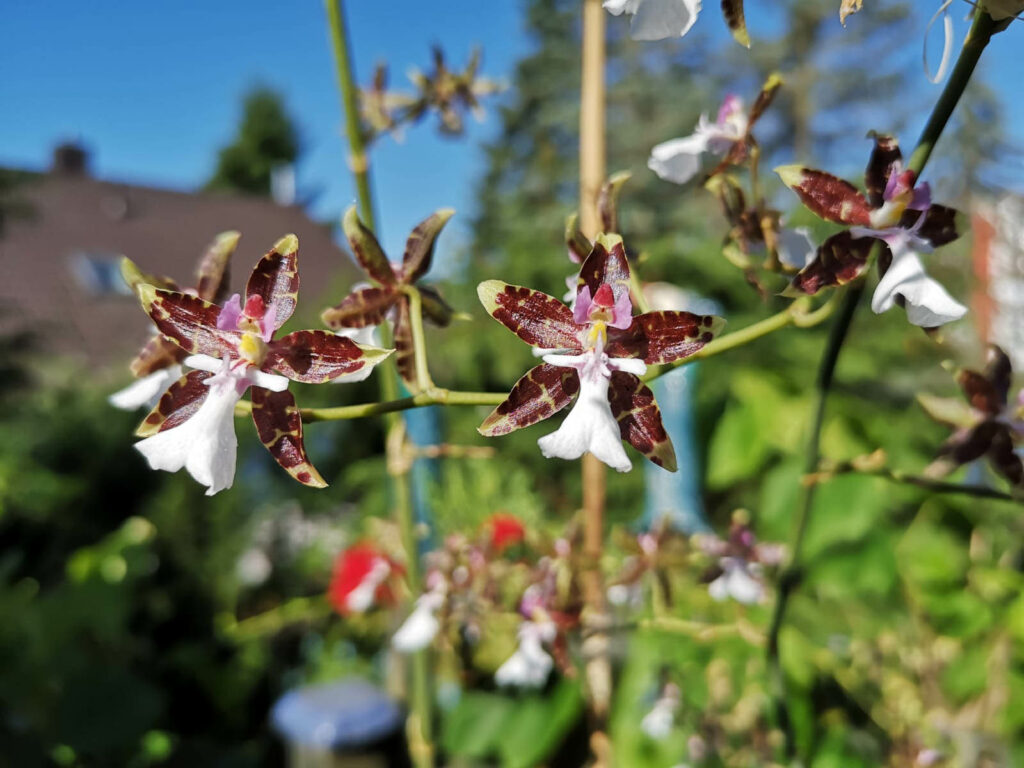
{"x":282,"y":184}
{"x":70,"y":159}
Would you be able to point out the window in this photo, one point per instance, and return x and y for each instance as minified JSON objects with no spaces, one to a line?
{"x":99,"y":274}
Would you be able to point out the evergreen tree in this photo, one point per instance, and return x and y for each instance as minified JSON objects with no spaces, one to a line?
{"x":267,"y":138}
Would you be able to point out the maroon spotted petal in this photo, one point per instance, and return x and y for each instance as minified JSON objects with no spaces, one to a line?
{"x":542,"y":392}
{"x":999,"y":371}
{"x":188,"y":321}
{"x":841,"y":259}
{"x":362,"y":307}
{"x":536,"y":318}
{"x":1005,"y":459}
{"x":419,"y":248}
{"x":885,"y":157}
{"x":939,"y":225}
{"x":315,"y":357}
{"x":661,"y":337}
{"x":276,"y":279}
{"x":213,"y":270}
{"x":181,"y":400}
{"x":157,"y":354}
{"x":980,"y":392}
{"x":367,"y":250}
{"x":827,"y":196}
{"x":405,"y":354}
{"x":606,"y":263}
{"x":279,"y":426}
{"x":634,"y":407}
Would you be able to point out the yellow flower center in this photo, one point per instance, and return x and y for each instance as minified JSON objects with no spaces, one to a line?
{"x":598,"y":331}
{"x":252,"y":348}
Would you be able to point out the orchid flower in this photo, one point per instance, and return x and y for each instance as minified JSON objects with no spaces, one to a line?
{"x":388,"y":298}
{"x":988,"y":424}
{"x":531,"y":664}
{"x":232,"y":348}
{"x":158,"y":363}
{"x":657,"y":723}
{"x":728,"y":137}
{"x":656,"y":19}
{"x":602,"y":350}
{"x":741,"y":559}
{"x":361,"y":580}
{"x":895,"y":213}
{"x":421,"y":627}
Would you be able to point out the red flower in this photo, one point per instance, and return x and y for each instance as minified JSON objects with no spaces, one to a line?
{"x":506,"y":531}
{"x":361,"y":580}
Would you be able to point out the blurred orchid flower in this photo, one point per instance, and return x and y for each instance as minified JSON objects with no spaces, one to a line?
{"x":530,"y":665}
{"x":656,"y":19}
{"x":679,"y":160}
{"x":361,"y":580}
{"x":421,"y":627}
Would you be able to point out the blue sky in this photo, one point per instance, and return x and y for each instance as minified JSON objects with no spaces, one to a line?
{"x":154,"y":93}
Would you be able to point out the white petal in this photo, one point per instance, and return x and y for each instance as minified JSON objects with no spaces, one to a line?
{"x":659,"y":19}
{"x":617,"y":7}
{"x":657,"y":724}
{"x":367,"y":335}
{"x":361,"y":598}
{"x":530,"y":665}
{"x":589,"y":426}
{"x":205,"y":445}
{"x":743,"y":587}
{"x":205,"y":363}
{"x":633,"y":365}
{"x":795,"y":247}
{"x":419,"y":630}
{"x":927,"y":303}
{"x":678,"y":160}
{"x":270,"y":381}
{"x":145,"y":391}
{"x":719,"y":588}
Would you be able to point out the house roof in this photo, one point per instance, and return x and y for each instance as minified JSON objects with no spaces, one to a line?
{"x":59,"y":262}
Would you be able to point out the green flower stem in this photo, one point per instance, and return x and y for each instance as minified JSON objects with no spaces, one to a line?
{"x":937,"y":486}
{"x":419,"y":725}
{"x":795,"y":314}
{"x":419,"y":342}
{"x":980,"y":33}
{"x":359,"y":161}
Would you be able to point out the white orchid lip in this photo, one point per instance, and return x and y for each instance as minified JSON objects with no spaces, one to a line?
{"x":205,"y":445}
{"x":421,"y":627}
{"x":530,"y":665}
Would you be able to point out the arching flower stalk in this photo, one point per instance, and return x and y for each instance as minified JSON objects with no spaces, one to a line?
{"x":158,"y":363}
{"x":388,"y":296}
{"x":602,"y":350}
{"x":896,"y":213}
{"x":232,"y":348}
